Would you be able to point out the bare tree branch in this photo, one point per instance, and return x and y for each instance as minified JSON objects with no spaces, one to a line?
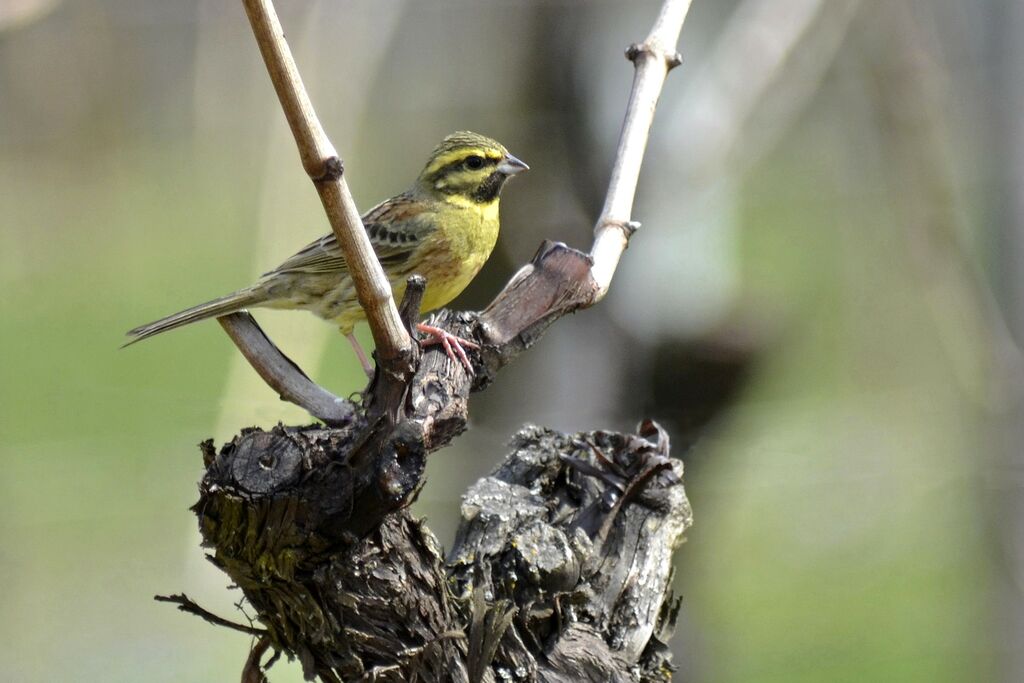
{"x":653,"y":59}
{"x":325,"y":168}
{"x":189,"y":606}
{"x":559,"y":279}
{"x":281,"y":374}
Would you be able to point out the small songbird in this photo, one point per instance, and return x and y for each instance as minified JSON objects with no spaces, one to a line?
{"x":444,"y":228}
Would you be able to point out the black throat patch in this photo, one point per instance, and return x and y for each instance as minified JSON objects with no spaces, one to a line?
{"x":488,"y":190}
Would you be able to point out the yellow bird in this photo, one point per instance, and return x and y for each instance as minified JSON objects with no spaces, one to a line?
{"x":444,"y":228}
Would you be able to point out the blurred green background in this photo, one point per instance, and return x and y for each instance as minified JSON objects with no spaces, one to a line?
{"x":822,"y":305}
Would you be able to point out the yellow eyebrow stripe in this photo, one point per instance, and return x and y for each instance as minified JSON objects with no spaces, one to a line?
{"x":456,"y":155}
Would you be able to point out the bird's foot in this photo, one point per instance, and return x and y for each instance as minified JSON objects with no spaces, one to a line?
{"x":454,"y":346}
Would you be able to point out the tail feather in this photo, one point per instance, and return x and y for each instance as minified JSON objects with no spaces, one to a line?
{"x":224,"y":305}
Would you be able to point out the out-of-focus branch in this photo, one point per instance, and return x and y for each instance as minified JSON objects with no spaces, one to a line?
{"x":771,"y":52}
{"x":325,"y":168}
{"x":653,"y":59}
{"x":1005,"y":498}
{"x":912,"y":89}
{"x":15,"y":14}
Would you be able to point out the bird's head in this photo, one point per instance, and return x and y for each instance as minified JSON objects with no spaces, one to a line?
{"x":469,"y":168}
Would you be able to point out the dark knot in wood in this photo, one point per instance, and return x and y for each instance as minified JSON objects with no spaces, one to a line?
{"x":627,"y":227}
{"x":331,"y":170}
{"x":266,"y":462}
{"x":637,"y":50}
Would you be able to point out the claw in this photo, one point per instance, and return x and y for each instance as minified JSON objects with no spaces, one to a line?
{"x":453,"y":345}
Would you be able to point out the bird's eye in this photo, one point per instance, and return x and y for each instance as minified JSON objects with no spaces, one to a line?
{"x":474,"y":162}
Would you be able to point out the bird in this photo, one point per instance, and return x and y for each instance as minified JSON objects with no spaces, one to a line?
{"x":444,"y":228}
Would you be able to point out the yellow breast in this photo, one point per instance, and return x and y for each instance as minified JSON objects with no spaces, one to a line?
{"x":454,"y":253}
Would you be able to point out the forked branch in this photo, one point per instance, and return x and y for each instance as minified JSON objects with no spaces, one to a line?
{"x":567,"y":546}
{"x":559,"y":280}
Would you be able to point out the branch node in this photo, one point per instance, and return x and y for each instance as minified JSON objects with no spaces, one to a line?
{"x":333,"y":168}
{"x":635,"y":51}
{"x":325,"y":169}
{"x":627,"y":227}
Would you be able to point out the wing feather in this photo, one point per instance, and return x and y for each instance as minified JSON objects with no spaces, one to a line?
{"x":392,"y":229}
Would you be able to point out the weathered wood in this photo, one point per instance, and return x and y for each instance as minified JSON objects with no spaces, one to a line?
{"x":560,"y":571}
{"x":577,"y":533}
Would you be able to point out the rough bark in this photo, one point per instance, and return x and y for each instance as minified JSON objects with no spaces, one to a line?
{"x":560,"y":570}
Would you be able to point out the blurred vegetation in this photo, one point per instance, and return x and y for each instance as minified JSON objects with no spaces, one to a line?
{"x":810,"y":306}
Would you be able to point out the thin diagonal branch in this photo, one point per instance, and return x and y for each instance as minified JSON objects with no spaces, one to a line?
{"x":653,"y":59}
{"x":187,"y":605}
{"x":559,"y":279}
{"x":281,"y":374}
{"x":325,"y":168}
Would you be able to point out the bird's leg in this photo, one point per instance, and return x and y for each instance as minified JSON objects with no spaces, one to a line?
{"x":453,"y":345}
{"x":363,"y":360}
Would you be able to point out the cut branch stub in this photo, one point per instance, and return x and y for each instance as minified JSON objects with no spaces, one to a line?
{"x":390,"y":385}
{"x":555,"y":282}
{"x":337,"y":578}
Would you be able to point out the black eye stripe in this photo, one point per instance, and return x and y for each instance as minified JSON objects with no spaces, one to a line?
{"x":461,"y":164}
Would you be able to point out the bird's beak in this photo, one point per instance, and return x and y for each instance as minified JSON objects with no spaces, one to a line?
{"x":510,"y":165}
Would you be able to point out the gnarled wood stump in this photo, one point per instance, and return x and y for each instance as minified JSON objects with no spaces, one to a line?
{"x":560,"y":571}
